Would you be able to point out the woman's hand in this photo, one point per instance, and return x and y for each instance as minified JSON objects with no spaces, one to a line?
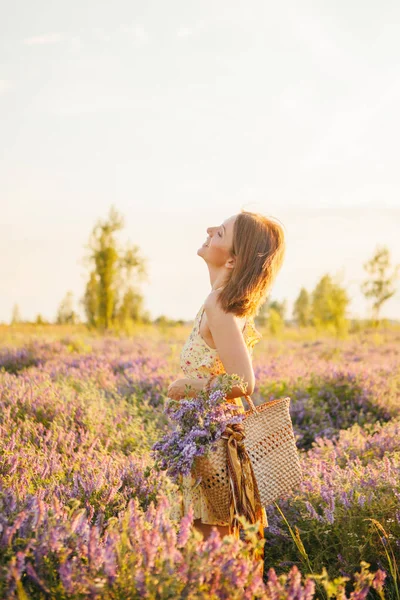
{"x":177,"y":389}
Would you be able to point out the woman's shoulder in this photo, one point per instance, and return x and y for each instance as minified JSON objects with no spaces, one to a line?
{"x":211,"y":300}
{"x":212,"y":307}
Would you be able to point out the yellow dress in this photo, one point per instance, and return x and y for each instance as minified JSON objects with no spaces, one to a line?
{"x":199,"y":361}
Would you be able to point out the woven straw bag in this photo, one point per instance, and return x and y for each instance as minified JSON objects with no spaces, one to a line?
{"x":270,"y":444}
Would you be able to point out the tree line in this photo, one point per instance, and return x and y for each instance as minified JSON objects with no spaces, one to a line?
{"x":112,"y":298}
{"x":326,"y":306}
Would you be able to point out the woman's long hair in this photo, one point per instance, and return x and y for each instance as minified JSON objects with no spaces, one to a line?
{"x":259,"y":247}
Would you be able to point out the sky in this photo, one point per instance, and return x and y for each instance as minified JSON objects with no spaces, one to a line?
{"x":182,"y":113}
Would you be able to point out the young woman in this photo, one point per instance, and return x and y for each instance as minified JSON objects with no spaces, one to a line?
{"x":243,"y":255}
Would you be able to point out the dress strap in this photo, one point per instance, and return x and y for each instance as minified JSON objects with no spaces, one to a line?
{"x":198,"y":318}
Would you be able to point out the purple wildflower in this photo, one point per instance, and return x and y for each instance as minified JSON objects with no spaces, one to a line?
{"x":200,"y":423}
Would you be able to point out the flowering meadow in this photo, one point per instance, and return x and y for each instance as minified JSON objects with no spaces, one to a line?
{"x":84,"y":513}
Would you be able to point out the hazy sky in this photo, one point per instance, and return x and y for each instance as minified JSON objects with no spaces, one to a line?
{"x":181,"y":113}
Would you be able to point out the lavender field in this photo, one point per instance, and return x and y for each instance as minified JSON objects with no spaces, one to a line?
{"x":83,"y":513}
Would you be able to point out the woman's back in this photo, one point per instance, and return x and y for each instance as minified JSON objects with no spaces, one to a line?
{"x":199,"y":361}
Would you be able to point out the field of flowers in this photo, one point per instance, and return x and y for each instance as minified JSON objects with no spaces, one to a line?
{"x":84,"y":514}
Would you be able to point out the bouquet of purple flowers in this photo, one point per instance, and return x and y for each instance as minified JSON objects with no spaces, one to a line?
{"x":200,"y":422}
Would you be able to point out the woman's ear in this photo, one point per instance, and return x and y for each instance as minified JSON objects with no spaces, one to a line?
{"x":230,"y":263}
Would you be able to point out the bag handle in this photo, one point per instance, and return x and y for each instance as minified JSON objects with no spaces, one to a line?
{"x":247,"y":396}
{"x":250,"y":401}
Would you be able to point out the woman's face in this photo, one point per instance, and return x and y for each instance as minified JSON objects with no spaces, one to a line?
{"x":216,"y":249}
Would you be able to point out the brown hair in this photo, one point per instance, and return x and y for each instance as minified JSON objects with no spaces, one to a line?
{"x":259,"y":247}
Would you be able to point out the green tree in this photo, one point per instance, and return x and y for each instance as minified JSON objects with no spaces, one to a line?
{"x":271,"y":314}
{"x":279,"y":307}
{"x":129,"y":302}
{"x":329,"y":303}
{"x":66,"y":313}
{"x":109,"y":294}
{"x":275,"y":322}
{"x":90,"y":300}
{"x":380,"y":284}
{"x":261,"y":319}
{"x":302,"y":308}
{"x":131,"y":307}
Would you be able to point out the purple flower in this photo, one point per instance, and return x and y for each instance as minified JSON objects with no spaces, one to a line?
{"x":200,"y":423}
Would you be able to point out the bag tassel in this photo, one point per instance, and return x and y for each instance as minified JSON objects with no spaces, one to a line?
{"x":244,"y":498}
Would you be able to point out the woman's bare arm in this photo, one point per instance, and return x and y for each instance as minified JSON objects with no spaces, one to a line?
{"x":230,"y":344}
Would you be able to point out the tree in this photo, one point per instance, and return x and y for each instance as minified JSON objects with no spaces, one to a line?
{"x":329,"y":302}
{"x":16,"y":315}
{"x":302,"y":308}
{"x":131,"y":307}
{"x":109,"y":294}
{"x":90,"y":300}
{"x":261,"y":319}
{"x":275,"y":321}
{"x":129,"y":302}
{"x":380,"y":285}
{"x":66,"y":313}
{"x":279,"y":307}
{"x":271,"y":314}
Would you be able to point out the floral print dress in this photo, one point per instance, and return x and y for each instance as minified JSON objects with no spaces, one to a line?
{"x":199,"y":361}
